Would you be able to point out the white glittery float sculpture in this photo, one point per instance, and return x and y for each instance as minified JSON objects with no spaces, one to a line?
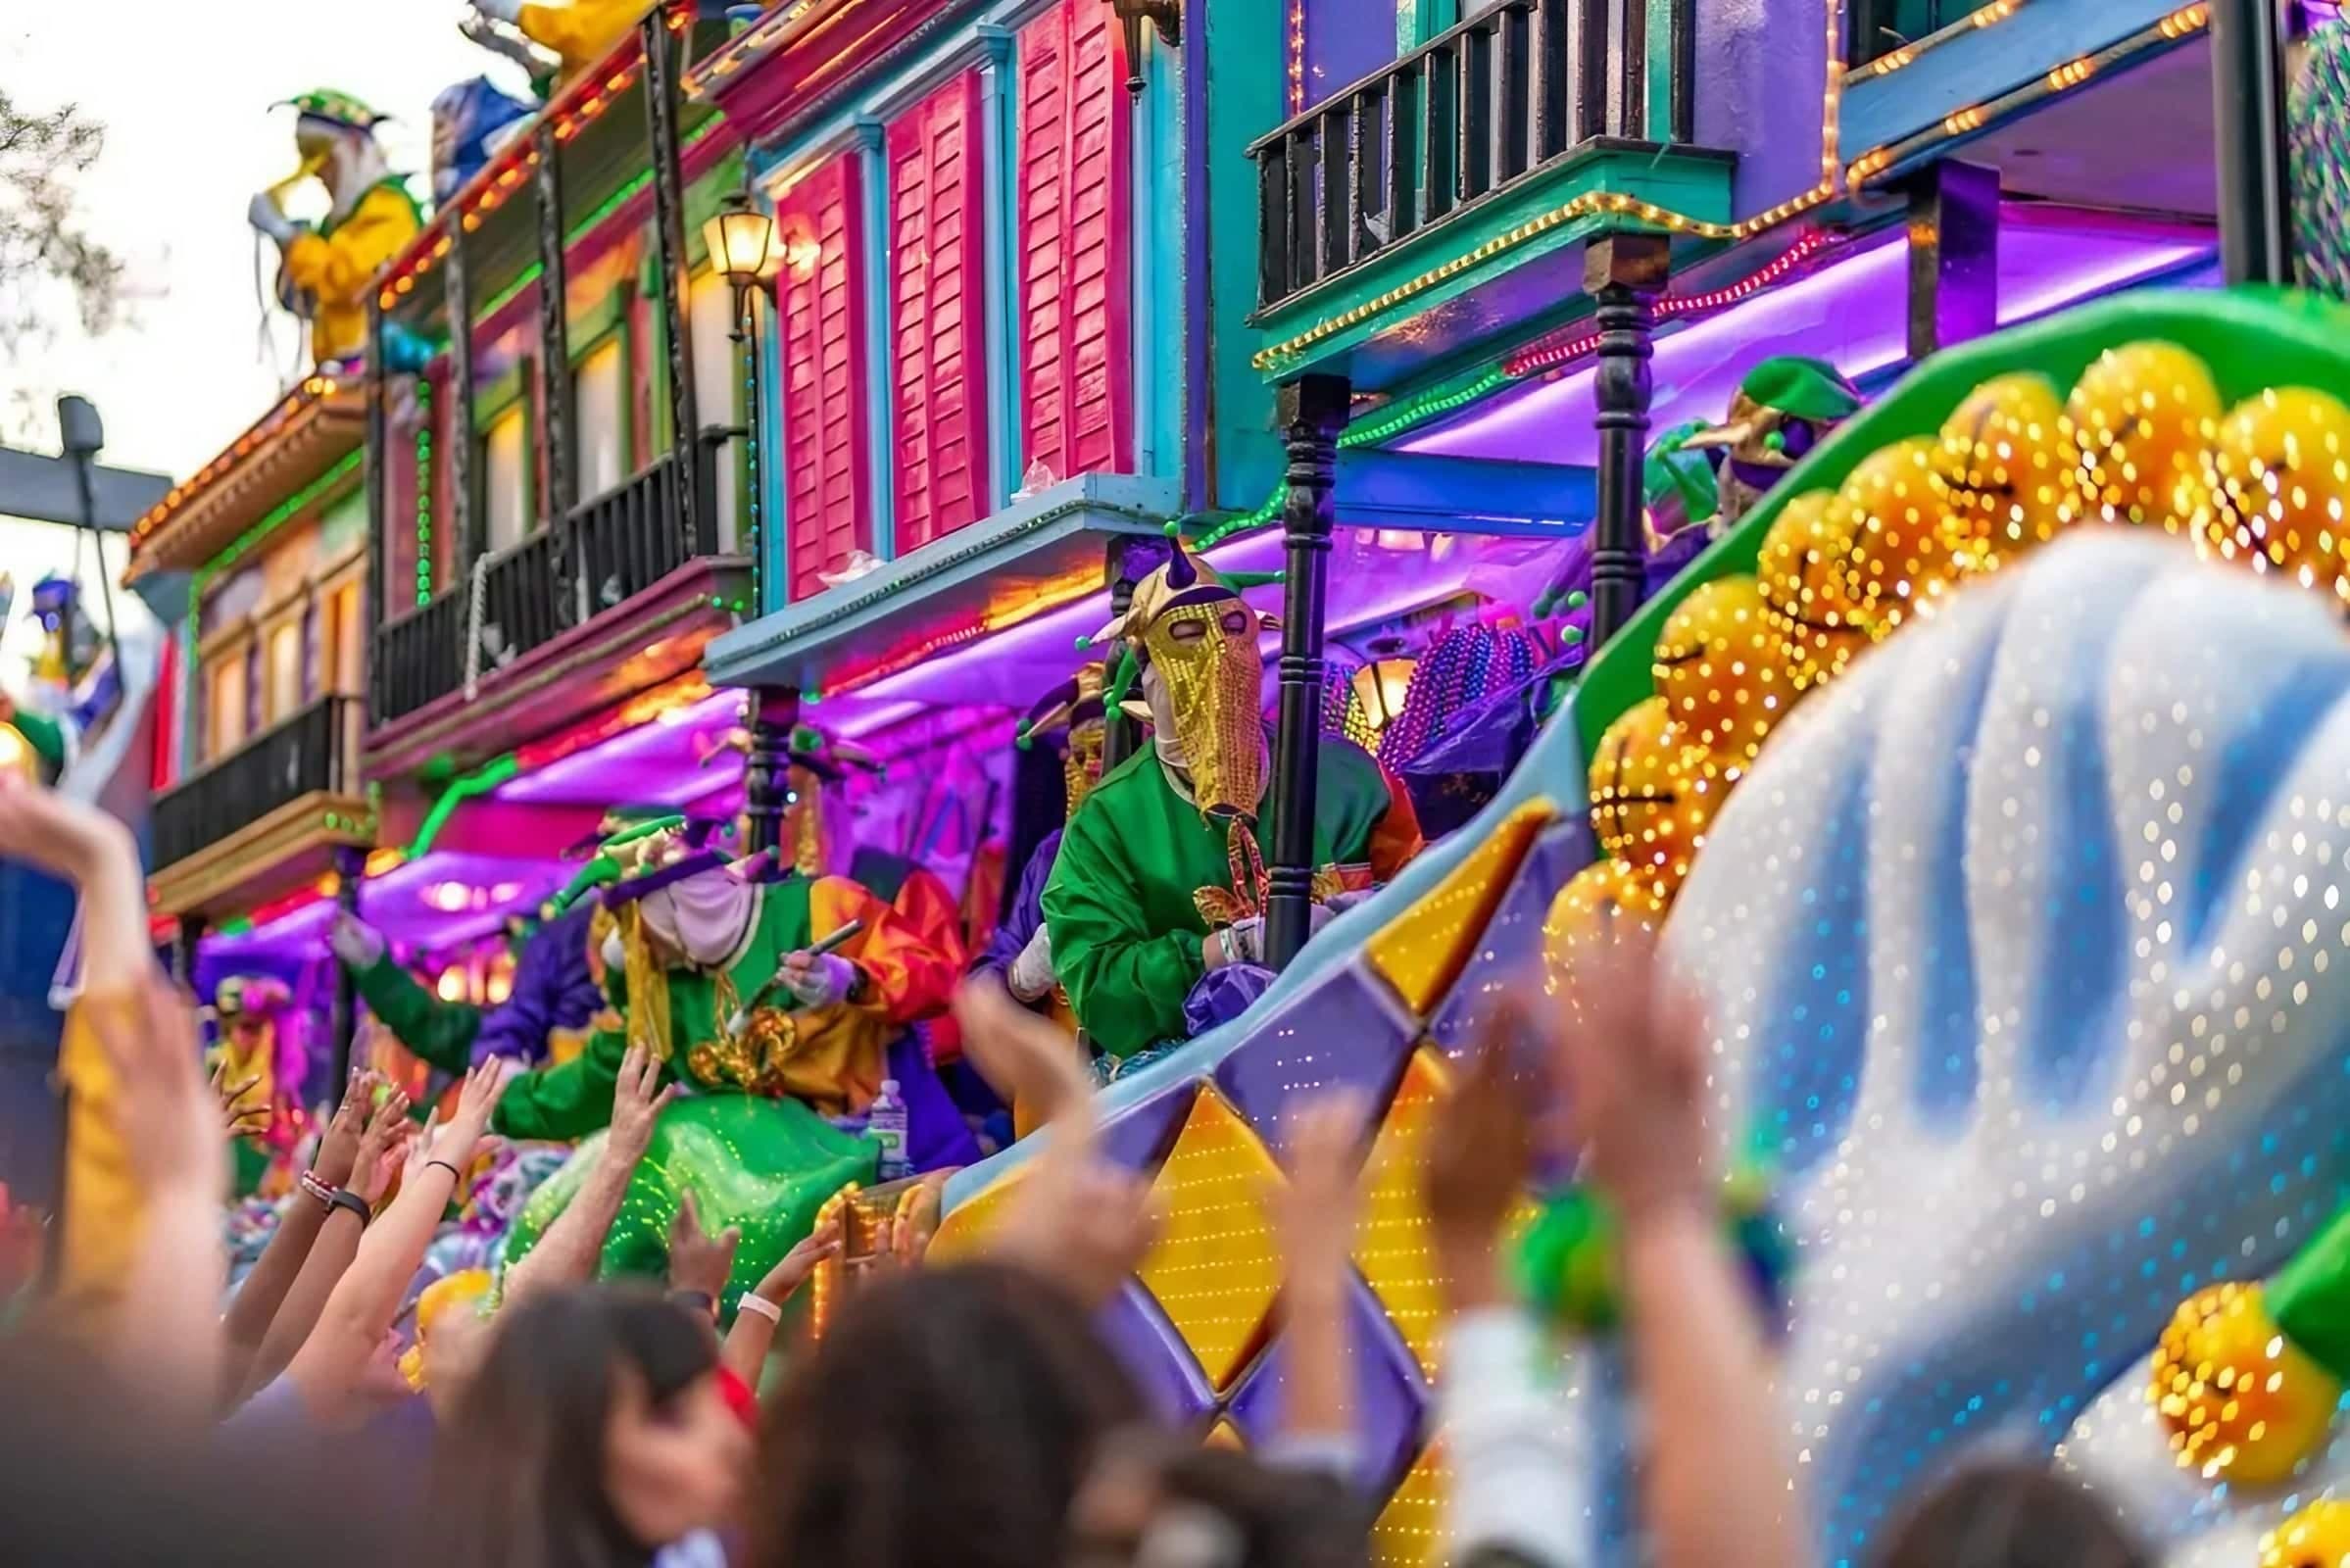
{"x":2026,"y":947}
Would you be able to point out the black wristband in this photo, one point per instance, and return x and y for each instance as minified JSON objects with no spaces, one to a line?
{"x":345,"y":1198}
{"x":454,"y":1175}
{"x":695,"y":1302}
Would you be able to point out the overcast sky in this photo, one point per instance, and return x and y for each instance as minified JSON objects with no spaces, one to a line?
{"x":184,"y":93}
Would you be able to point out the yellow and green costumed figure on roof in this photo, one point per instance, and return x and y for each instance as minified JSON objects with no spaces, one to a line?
{"x":323,"y":270}
{"x":1160,"y":884}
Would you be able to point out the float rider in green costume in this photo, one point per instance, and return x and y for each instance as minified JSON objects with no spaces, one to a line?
{"x":719,"y":970}
{"x":1159,"y":883}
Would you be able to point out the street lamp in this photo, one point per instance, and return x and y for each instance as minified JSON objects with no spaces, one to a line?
{"x":746,"y":251}
{"x":1166,"y":15}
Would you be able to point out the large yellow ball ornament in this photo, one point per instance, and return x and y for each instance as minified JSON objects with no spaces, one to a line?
{"x":2281,"y":475}
{"x":2317,"y":1537}
{"x":1902,"y":553}
{"x":1598,"y":901}
{"x":2007,"y":466}
{"x":1652,"y":796}
{"x":1804,"y":574}
{"x":2142,"y":418}
{"x":1719,"y":670}
{"x":2243,"y":1404}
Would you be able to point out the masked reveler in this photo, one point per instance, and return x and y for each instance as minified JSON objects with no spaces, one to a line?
{"x":250,"y":1013}
{"x":711,"y":970}
{"x":1160,"y":884}
{"x":323,"y":273}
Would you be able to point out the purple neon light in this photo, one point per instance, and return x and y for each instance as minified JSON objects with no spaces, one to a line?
{"x":1851,"y":313}
{"x":395,"y":903}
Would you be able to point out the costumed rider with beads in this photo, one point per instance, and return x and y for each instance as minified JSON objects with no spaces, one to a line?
{"x":323,"y":273}
{"x":1155,"y":903}
{"x":717,"y":969}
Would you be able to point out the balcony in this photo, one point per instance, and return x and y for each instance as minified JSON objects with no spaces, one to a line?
{"x":602,"y":604}
{"x":1469,"y":171}
{"x":265,"y":818}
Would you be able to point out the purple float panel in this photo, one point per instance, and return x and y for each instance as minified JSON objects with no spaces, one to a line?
{"x":1391,"y":1401}
{"x":1140,"y":1139}
{"x":1511,"y":949}
{"x":1139,"y":1333}
{"x":1342,"y":1030}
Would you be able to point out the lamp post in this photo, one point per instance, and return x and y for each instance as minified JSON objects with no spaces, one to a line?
{"x":1164,"y":14}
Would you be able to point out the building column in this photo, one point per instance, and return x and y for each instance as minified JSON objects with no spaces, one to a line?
{"x":767,"y":769}
{"x":183,"y":949}
{"x":2247,"y":83}
{"x":350,"y":869}
{"x":1312,"y":412}
{"x":555,"y":335}
{"x":1953,"y":255}
{"x":379,"y":543}
{"x":468,"y":520}
{"x":668,"y":223}
{"x":1624,"y":273}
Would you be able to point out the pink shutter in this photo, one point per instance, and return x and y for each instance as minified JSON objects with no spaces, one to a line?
{"x":823,"y":327}
{"x":1074,"y":272}
{"x":938,"y":281}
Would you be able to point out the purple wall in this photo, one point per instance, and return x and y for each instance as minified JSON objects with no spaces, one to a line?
{"x":1761,"y":65}
{"x":1345,"y":41}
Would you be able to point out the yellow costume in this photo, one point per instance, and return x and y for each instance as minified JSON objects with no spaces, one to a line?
{"x":333,"y":266}
{"x":102,"y":1207}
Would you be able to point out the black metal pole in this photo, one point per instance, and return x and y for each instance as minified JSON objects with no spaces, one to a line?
{"x":1953,"y":255}
{"x":184,"y":948}
{"x":466,"y":522}
{"x":2247,"y":84}
{"x":350,"y":869}
{"x":767,"y":769}
{"x":555,"y":335}
{"x":669,"y":221}
{"x":379,"y":472}
{"x":1623,"y":273}
{"x":1312,"y":412}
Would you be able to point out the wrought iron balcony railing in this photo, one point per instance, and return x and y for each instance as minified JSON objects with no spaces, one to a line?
{"x":1472,"y":113}
{"x":605,"y":553}
{"x":311,"y":750}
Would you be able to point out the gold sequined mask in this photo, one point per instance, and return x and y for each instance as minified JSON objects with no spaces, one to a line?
{"x":1203,"y":656}
{"x":1081,"y":763}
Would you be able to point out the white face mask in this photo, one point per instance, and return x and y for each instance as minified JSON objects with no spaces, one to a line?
{"x":703,"y":917}
{"x":1163,"y":737}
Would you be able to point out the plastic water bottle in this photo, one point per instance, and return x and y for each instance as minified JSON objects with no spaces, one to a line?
{"x":886,"y":1124}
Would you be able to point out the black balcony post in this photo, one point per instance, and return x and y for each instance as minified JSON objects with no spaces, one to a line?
{"x":669,"y":221}
{"x":2247,"y":83}
{"x":466,"y":522}
{"x":1953,"y":255}
{"x":350,"y":869}
{"x":555,"y":338}
{"x":378,"y":462}
{"x":184,"y":944}
{"x":767,"y":769}
{"x":1312,"y":412}
{"x":1623,"y":273}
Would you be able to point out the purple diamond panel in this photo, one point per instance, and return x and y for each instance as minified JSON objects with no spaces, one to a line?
{"x":1140,"y":1139}
{"x":1138,"y":1331}
{"x":1342,"y":1031}
{"x":1512,"y":945}
{"x":1391,"y":1403}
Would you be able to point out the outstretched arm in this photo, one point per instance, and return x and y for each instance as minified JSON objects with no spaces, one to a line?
{"x":568,"y":1253}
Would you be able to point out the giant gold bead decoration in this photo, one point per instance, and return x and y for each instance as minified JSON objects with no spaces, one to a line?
{"x":1597,"y":900}
{"x":1720,"y":671}
{"x":2281,"y":475}
{"x":2007,"y":466}
{"x":2141,"y":419}
{"x":1902,"y":546}
{"x":2241,"y":1402}
{"x":1806,"y":588}
{"x":1652,"y":796}
{"x":2317,"y":1537}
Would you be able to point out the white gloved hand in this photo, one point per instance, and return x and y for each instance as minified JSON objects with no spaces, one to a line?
{"x":1032,"y":975}
{"x":818,"y":980}
{"x":356,"y":944}
{"x":1242,"y":942}
{"x":508,"y":11}
{"x":263,"y":213}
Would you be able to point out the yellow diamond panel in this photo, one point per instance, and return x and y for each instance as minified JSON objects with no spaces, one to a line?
{"x":1393,"y":1243}
{"x":1215,"y":1268}
{"x":1423,"y":950}
{"x":1406,"y":1534}
{"x":1224,"y":1435}
{"x":963,"y":1232}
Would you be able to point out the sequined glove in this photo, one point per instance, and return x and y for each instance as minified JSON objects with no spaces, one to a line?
{"x":263,"y":214}
{"x":356,"y":944}
{"x":1031,"y":976}
{"x":818,"y":979}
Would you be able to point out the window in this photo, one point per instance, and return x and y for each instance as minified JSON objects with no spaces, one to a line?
{"x":284,"y":671}
{"x":224,"y":706}
{"x":342,"y":647}
{"x":717,"y":383}
{"x":600,"y":390}
{"x":937,"y":293}
{"x":505,"y":477}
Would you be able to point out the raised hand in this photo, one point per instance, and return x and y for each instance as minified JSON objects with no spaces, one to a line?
{"x":170,"y":1119}
{"x":637,"y":1102}
{"x":1480,"y":1154}
{"x":1019,"y":1053}
{"x":382,"y":1143}
{"x":338,"y":1148}
{"x":476,"y":1101}
{"x":818,"y":979}
{"x":64,"y":837}
{"x":699,"y":1261}
{"x":238,"y":1121}
{"x":791,"y":1270}
{"x":356,"y":944}
{"x":1316,"y":1209}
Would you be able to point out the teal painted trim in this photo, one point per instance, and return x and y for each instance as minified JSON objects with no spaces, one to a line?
{"x":774,"y":510}
{"x":1418,"y":21}
{"x":1154,"y":310}
{"x":881,"y":426}
{"x":995,"y":215}
{"x":947,"y":580}
{"x":191,"y":696}
{"x":1245,"y":94}
{"x":1660,"y":70}
{"x":1695,"y":186}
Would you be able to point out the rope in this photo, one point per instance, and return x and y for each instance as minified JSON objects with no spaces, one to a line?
{"x":479,"y":577}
